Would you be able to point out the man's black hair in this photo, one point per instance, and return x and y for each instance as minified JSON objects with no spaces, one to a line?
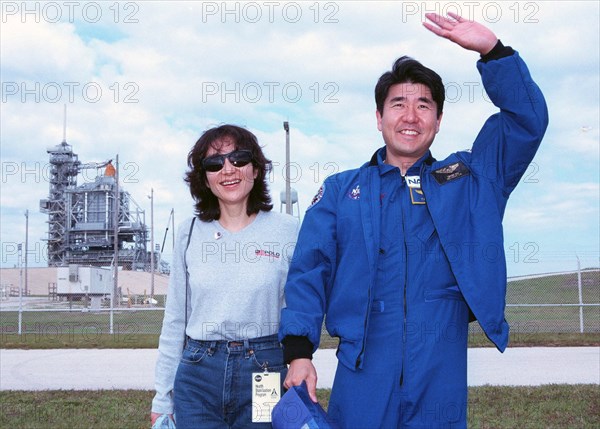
{"x":409,"y":70}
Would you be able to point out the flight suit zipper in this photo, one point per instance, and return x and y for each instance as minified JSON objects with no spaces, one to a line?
{"x":365,"y":327}
{"x":404,"y":304}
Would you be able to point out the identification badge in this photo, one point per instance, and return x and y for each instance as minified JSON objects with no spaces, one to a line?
{"x":413,"y":182}
{"x":266,"y":392}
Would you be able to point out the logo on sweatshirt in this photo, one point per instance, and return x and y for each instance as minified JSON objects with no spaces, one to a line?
{"x":269,"y":253}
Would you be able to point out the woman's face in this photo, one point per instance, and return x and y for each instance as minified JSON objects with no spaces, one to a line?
{"x":231,"y":185}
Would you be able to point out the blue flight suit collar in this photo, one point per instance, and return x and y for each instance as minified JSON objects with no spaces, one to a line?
{"x":378,"y":159}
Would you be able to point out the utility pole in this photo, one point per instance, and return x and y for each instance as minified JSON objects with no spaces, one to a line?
{"x":116,"y":231}
{"x":26,"y":248}
{"x":19,"y":247}
{"x":288,"y":193}
{"x":151,"y":244}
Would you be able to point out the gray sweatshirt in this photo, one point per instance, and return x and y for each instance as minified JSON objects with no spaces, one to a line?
{"x":236,"y":288}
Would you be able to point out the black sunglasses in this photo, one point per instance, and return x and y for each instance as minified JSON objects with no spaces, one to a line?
{"x":237,"y":158}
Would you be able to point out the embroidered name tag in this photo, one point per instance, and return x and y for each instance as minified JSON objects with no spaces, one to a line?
{"x":450,"y":172}
{"x":417,"y":196}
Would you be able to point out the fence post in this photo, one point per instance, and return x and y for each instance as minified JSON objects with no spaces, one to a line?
{"x":19,"y":247}
{"x":112,"y":301}
{"x":580,"y":291}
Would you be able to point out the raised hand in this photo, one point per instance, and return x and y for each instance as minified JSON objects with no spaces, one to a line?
{"x":469,"y":34}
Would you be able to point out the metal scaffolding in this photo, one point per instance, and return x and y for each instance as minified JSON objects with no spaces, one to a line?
{"x":81,"y":218}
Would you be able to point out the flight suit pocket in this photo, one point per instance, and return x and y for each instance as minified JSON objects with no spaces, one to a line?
{"x":448,"y":293}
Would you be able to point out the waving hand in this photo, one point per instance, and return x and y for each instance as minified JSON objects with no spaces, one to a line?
{"x":469,"y":34}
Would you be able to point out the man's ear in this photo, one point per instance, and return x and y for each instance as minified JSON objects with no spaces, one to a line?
{"x":379,"y":118}
{"x":439,"y":121}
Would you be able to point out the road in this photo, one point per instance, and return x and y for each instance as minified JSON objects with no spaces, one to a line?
{"x":92,"y":369}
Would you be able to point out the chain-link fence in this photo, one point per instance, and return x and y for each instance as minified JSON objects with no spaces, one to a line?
{"x":566,"y":302}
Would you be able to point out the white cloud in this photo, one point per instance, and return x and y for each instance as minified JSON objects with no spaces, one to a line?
{"x":182,"y":68}
{"x":43,"y":52}
{"x":568,"y":207}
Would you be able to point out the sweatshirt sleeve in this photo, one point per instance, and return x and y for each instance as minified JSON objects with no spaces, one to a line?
{"x":172,"y":335}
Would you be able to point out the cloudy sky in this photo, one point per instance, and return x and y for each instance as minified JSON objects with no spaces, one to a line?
{"x":143,"y":79}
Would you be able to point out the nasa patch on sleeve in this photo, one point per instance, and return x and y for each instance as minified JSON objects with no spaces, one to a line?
{"x":450,"y":172}
{"x":354,"y":194}
{"x":317,"y":197}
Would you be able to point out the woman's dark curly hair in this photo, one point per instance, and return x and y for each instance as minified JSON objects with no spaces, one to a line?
{"x":207,"y":204}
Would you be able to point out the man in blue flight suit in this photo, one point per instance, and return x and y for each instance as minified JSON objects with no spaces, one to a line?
{"x":402,"y":253}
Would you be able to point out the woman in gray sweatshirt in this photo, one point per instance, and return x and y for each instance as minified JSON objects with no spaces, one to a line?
{"x":220,"y":364}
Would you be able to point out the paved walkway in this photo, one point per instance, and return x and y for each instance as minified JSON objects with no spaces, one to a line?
{"x":91,"y":369}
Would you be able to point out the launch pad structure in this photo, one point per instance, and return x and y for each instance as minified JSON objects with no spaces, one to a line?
{"x":81,"y":218}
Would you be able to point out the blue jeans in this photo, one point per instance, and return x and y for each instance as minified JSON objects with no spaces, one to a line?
{"x":213,"y":384}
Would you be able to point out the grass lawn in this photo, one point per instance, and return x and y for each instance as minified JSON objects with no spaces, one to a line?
{"x":150,"y":341}
{"x":545,"y":407}
{"x":490,"y":407}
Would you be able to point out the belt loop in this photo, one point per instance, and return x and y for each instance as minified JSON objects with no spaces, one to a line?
{"x":247,"y":350}
{"x":211,"y":348}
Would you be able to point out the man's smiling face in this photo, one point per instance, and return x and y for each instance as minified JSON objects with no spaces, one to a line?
{"x":408,"y":124}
